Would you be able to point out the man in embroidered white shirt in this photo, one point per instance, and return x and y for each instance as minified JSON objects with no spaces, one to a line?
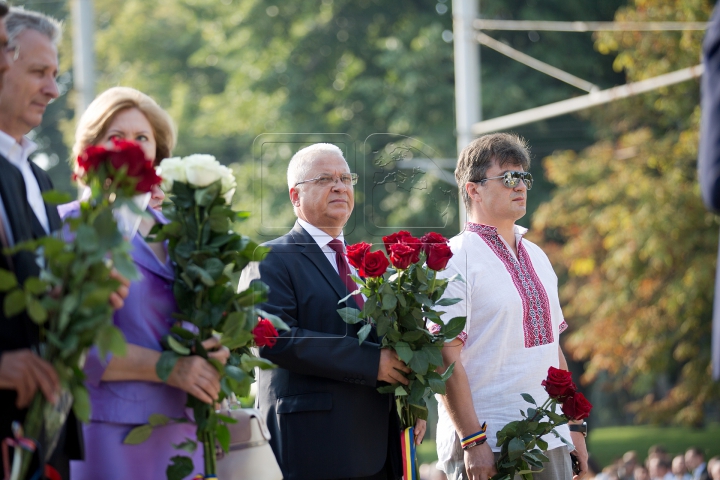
{"x":513,"y":314}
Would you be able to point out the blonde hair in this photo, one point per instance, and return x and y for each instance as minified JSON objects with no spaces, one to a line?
{"x":100,"y":113}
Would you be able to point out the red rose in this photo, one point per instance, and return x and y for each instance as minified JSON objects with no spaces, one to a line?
{"x":374,"y":264}
{"x":438,"y":255}
{"x":576,"y":406}
{"x":264,"y":333}
{"x":356,"y":253}
{"x":148,"y":180}
{"x":401,"y":255}
{"x":559,"y":383}
{"x":130,"y":155}
{"x":394,"y":238}
{"x":91,"y":158}
{"x":433,"y":237}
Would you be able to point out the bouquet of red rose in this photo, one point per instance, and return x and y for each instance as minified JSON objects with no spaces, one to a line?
{"x":522,"y":445}
{"x":69,"y":301}
{"x":403,"y":292}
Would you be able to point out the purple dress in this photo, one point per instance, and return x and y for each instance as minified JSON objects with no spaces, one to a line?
{"x":118,"y":407}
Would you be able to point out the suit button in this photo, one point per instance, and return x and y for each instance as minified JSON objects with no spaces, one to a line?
{"x":346,"y":379}
{"x":362,"y":382}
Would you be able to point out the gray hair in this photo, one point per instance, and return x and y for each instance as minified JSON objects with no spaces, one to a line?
{"x":19,"y":20}
{"x":300,"y":162}
{"x":476,"y":158}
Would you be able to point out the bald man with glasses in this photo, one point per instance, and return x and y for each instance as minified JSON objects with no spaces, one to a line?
{"x":322,"y":407}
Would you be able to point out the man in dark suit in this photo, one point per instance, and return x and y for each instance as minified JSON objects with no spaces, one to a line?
{"x":325,"y":415}
{"x":28,"y":87}
{"x":695,"y":463}
{"x":709,"y":154}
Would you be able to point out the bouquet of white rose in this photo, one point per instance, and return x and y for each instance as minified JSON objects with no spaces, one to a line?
{"x":208,"y":255}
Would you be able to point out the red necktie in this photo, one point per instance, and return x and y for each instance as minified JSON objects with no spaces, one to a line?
{"x":344,"y":270}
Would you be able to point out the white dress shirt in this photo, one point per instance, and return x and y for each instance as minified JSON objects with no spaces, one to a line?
{"x":322,"y":239}
{"x":17,"y":154}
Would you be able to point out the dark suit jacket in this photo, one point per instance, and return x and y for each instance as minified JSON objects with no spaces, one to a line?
{"x":709,"y":154}
{"x":20,"y":332}
{"x":325,"y":415}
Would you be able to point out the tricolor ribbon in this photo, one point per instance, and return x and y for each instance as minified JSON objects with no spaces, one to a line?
{"x":18,"y":441}
{"x":409,"y":461}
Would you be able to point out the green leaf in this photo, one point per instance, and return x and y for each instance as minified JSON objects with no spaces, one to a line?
{"x":36,"y":311}
{"x":249,"y":362}
{"x":387,"y":389}
{"x":196,"y":272}
{"x":55,"y":197}
{"x":125,"y":266}
{"x":182,"y":333}
{"x":528,"y":398}
{"x":165,"y":364}
{"x":437,"y":385}
{"x":434,"y":354}
{"x":400,"y":391}
{"x":180,"y":467}
{"x":453,"y":328}
{"x":404,"y":351}
{"x":111,"y":339}
{"x":448,"y":372}
{"x":205,"y":196}
{"x":446,"y":302}
{"x":235,"y":373}
{"x":188,"y":445}
{"x":157,"y":419}
{"x":542,"y":444}
{"x":35,"y":286}
{"x":14,"y":303}
{"x":516,"y":447}
{"x":350,"y":315}
{"x":214,"y":267}
{"x":138,"y":435}
{"x":86,"y":239}
{"x":257,"y":292}
{"x":413,"y":335}
{"x":419,"y":362}
{"x":364,"y":332}
{"x":389,"y":301}
{"x":176,"y":346}
{"x":81,"y":402}
{"x":223,"y":436}
{"x":8,"y":280}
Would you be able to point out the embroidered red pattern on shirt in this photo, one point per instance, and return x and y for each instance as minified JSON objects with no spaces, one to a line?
{"x":537,"y":325}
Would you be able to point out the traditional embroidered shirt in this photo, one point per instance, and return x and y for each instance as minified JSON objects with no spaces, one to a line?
{"x":511,"y":337}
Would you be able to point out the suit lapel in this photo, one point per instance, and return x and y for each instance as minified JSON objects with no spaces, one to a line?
{"x":12,"y":189}
{"x":312,"y":251}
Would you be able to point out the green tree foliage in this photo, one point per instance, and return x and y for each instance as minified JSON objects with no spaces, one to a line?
{"x":628,"y":229}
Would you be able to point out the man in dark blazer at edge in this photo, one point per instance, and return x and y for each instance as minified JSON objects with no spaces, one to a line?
{"x":326,"y":418}
{"x":28,"y":86}
{"x":709,"y":153}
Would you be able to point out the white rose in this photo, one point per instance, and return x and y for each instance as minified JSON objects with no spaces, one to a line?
{"x":172,"y":170}
{"x":202,"y":170}
{"x":228,"y":184}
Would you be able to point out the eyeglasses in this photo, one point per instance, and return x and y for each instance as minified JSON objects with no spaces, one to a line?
{"x":512,"y":179}
{"x":348,"y":179}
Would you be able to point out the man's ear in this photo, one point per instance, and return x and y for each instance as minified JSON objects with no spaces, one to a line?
{"x":472,"y":190}
{"x":295,"y":197}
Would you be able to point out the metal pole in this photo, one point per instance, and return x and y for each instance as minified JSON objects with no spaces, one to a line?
{"x":467,"y":77}
{"x":83,"y":54}
{"x":585,"y":101}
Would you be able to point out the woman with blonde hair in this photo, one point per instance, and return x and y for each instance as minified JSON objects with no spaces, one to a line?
{"x":125,"y":391}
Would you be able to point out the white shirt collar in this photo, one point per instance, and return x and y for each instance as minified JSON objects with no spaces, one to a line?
{"x":320,"y":237}
{"x":16,"y":152}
